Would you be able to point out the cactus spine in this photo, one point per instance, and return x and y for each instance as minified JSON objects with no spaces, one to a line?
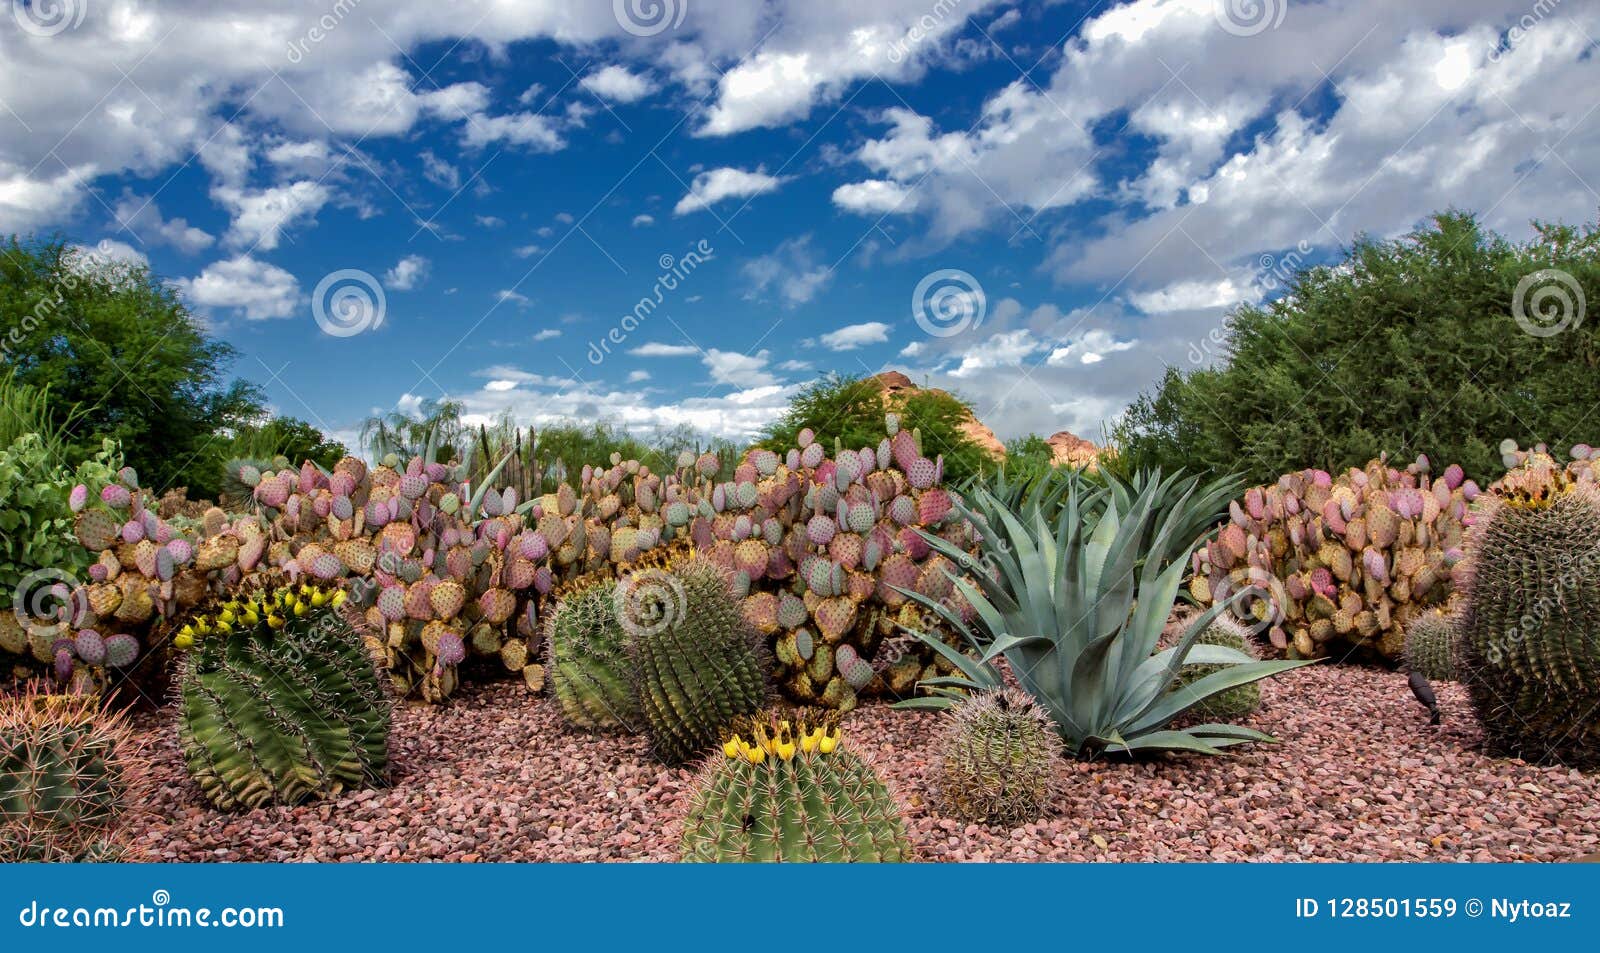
{"x":589,"y":661}
{"x":997,"y":758}
{"x":279,"y":702}
{"x":65,"y":772}
{"x":1529,"y":655}
{"x":1235,"y":703}
{"x":782,"y":791}
{"x":1430,"y":646}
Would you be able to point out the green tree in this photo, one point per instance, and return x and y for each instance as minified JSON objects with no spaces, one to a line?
{"x":122,"y":358}
{"x":1406,"y":346}
{"x":851,"y":409}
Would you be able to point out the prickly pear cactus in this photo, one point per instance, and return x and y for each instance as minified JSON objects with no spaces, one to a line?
{"x":1430,"y":646}
{"x":1340,"y":564}
{"x":66,"y":768}
{"x":695,"y":664}
{"x":279,"y":702}
{"x":997,"y":759}
{"x":789,"y":791}
{"x":589,"y":667}
{"x":1529,"y":656}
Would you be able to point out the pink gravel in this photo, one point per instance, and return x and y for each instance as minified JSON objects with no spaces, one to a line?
{"x":1359,"y":776}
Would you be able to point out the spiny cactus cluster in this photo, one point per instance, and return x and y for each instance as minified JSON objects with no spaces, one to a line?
{"x":279,"y":702}
{"x":1234,"y":703}
{"x":1343,"y":563}
{"x":66,"y":768}
{"x":997,"y":758}
{"x":1430,"y":646}
{"x":785,"y":789}
{"x":589,"y":666}
{"x":817,"y":545}
{"x":1528,"y":651}
{"x":695,"y":662}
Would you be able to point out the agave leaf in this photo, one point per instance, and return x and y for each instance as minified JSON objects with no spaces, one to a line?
{"x":1173,"y":704}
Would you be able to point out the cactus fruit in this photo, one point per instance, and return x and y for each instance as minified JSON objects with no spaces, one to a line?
{"x":997,"y":758}
{"x":1430,"y":646}
{"x":279,"y":702}
{"x":1527,"y":648}
{"x":1234,"y":703}
{"x":696,"y":664}
{"x":789,"y":791}
{"x":66,"y":769}
{"x":589,"y":663}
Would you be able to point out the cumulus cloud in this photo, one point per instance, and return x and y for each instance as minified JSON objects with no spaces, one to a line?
{"x":853,"y":336}
{"x":407,"y":273}
{"x":618,"y":85}
{"x":658,"y":349}
{"x":717,"y":185}
{"x":792,"y":270}
{"x":254,"y":288}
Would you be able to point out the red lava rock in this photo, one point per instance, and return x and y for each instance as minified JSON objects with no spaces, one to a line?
{"x":497,"y":776}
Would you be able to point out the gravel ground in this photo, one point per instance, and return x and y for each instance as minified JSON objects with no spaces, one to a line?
{"x":1359,"y":776}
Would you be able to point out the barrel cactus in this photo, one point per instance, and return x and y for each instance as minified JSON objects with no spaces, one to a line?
{"x":279,"y":702}
{"x":789,"y":791}
{"x":997,"y":758}
{"x":66,"y":768}
{"x":696,"y":663}
{"x":589,"y":661}
{"x":1528,"y":653}
{"x":1233,"y":703}
{"x":1430,"y":646}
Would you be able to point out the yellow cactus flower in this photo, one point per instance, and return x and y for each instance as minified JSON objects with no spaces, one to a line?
{"x":275,"y":621}
{"x":785,"y":750}
{"x":731,"y":747}
{"x":226,"y":615}
{"x":756,"y":755}
{"x":224,"y":627}
{"x":829,"y":742}
{"x":300,"y":609}
{"x":183,"y":641}
{"x":809,"y":742}
{"x":339,"y":597}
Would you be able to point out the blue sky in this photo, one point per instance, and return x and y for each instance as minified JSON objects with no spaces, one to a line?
{"x":1068,"y":195}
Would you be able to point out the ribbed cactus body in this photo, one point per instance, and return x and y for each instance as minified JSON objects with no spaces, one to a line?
{"x":1430,"y":646}
{"x":1530,"y":636}
{"x":65,"y":772}
{"x":589,"y":661}
{"x":1234,"y":703}
{"x":782,"y":793}
{"x":696,"y":664}
{"x":997,"y":759}
{"x":281,"y":713}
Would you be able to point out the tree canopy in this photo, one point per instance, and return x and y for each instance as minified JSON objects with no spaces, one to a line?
{"x":1409,"y":346}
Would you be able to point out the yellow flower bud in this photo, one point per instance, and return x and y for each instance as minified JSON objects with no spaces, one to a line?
{"x":829,"y":742}
{"x":184,"y":640}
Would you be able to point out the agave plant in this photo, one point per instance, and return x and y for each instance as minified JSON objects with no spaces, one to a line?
{"x":1078,"y":610}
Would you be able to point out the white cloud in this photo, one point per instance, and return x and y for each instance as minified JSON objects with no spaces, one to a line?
{"x":109,"y":251}
{"x":260,"y":217}
{"x":852,"y":336}
{"x":635,"y":377}
{"x":547,"y":334}
{"x":526,"y":251}
{"x":489,"y":221}
{"x":257,"y":289}
{"x":439,"y":172}
{"x":616,"y":84}
{"x":640,"y":221}
{"x":740,"y":370}
{"x":539,"y":133}
{"x":875,"y":197}
{"x":792,"y":270}
{"x":657,"y":349}
{"x":408,"y":273}
{"x":717,"y":185}
{"x":142,"y":217}
{"x":508,"y":294}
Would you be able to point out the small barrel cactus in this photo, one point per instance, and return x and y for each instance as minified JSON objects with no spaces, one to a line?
{"x":1528,"y":652}
{"x":1230,"y":704}
{"x":589,"y":661}
{"x":279,"y":702}
{"x":789,"y":791}
{"x":66,"y":768}
{"x":696,"y":662}
{"x":1430,"y":646}
{"x":997,"y":758}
